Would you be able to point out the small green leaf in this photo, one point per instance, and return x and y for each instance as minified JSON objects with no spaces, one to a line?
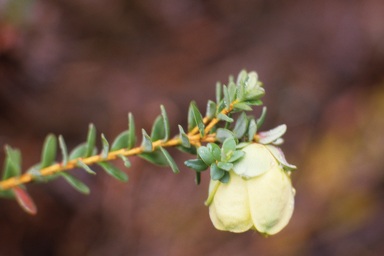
{"x":222,"y":134}
{"x":256,"y":102}
{"x":273,"y":134}
{"x":260,"y":121}
{"x":81,"y":164}
{"x":132,"y":131}
{"x":252,"y":129}
{"x":25,"y":201}
{"x":191,"y":150}
{"x":227,"y":99}
{"x":91,"y":140}
{"x":242,"y":145}
{"x":197,"y":177}
{"x":279,"y":155}
{"x":216,"y":172}
{"x":64,"y":151}
{"x":254,"y":94}
{"x":220,"y":107}
{"x":146,"y":144}
{"x":166,"y":123}
{"x":12,"y":163}
{"x":170,"y":160}
{"x":218,"y":92}
{"x":48,"y":154}
{"x":196,"y":164}
{"x":158,"y":131}
{"x":215,"y":151}
{"x":211,"y":109}
{"x":105,"y":151}
{"x":198,"y":118}
{"x":232,"y":91}
{"x":225,"y":118}
{"x":229,"y":145}
{"x":125,"y":159}
{"x":191,"y":118}
{"x":242,"y":106}
{"x":240,"y":92}
{"x":155,"y":157}
{"x":121,"y":141}
{"x":241,"y":126}
{"x":78,"y":151}
{"x":114,"y":171}
{"x":236,"y":156}
{"x":184,"y":138}
{"x":225,"y":166}
{"x":75,"y":183}
{"x":241,"y":77}
{"x":225,"y":178}
{"x":206,"y":155}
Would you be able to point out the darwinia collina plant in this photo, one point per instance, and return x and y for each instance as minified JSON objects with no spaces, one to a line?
{"x":250,"y":186}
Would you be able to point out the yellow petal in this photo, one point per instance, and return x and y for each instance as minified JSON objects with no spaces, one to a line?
{"x":230,"y":207}
{"x":271,"y":200}
{"x":257,"y":160}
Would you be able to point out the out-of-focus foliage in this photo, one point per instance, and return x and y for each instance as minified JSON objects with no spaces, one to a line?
{"x":80,"y":61}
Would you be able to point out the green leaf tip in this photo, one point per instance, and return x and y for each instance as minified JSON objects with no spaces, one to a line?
{"x":166,"y":123}
{"x":114,"y":171}
{"x":198,"y":118}
{"x":75,"y":183}
{"x":146,"y":144}
{"x":48,"y":154}
{"x":184,"y":138}
{"x":81,"y":164}
{"x":91,"y":140}
{"x":64,"y":151}
{"x":105,"y":151}
{"x":170,"y":160}
{"x":132,"y":131}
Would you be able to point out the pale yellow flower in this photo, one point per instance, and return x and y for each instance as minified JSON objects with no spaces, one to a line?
{"x":259,"y":195}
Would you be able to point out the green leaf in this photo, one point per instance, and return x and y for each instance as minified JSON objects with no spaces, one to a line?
{"x":191,"y":118}
{"x":48,"y":154}
{"x":91,"y":140}
{"x":229,"y":145}
{"x":225,"y":166}
{"x":220,"y":107}
{"x":273,"y":134}
{"x":197,"y":177}
{"x":216,"y":172}
{"x":227,"y":99}
{"x":155,"y":157}
{"x":64,"y":151}
{"x":12,"y":163}
{"x":260,"y":121}
{"x":114,"y":171}
{"x":196,"y":164}
{"x":170,"y":160}
{"x":241,"y":106}
{"x":105,"y":151}
{"x":121,"y":141}
{"x":215,"y":151}
{"x":218,"y":92}
{"x":252,"y":129}
{"x":158,"y":131}
{"x":166,"y":123}
{"x":232,"y":91}
{"x":240,"y":92}
{"x":198,"y":118}
{"x":223,"y":117}
{"x":225,"y":178}
{"x":25,"y":201}
{"x":236,"y":156}
{"x":125,"y":159}
{"x":184,"y":138}
{"x":191,"y":150}
{"x":242,"y":145}
{"x":241,"y":77}
{"x":75,"y":183}
{"x":81,"y":164}
{"x":211,"y":109}
{"x":256,"y":102}
{"x":255,"y":94}
{"x":146,"y":144}
{"x":78,"y":151}
{"x":132,"y":131}
{"x":241,"y":126}
{"x":222,"y":134}
{"x":206,"y":155}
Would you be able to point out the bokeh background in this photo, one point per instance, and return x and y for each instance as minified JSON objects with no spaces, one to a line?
{"x":66,"y":63}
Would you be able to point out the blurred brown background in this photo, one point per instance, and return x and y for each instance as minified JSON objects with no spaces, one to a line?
{"x":66,"y":63}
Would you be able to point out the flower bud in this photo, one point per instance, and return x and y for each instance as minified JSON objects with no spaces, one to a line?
{"x":259,"y":195}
